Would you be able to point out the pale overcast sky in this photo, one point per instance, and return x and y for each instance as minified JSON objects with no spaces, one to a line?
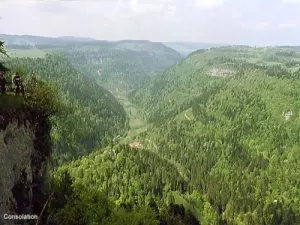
{"x":254,"y":22}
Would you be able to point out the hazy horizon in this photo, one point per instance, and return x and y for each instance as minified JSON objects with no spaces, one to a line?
{"x":230,"y":22}
{"x":96,"y":39}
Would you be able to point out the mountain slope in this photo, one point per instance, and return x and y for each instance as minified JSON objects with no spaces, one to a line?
{"x":92,"y":117}
{"x":25,"y":150}
{"x":230,"y":120}
{"x":134,"y":179}
{"x":122,"y":65}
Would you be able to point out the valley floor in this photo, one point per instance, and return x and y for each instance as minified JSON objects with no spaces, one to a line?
{"x":136,"y":122}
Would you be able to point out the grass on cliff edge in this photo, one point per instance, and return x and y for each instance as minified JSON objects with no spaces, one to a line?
{"x":43,"y":96}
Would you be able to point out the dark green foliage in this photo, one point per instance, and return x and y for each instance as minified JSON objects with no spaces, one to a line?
{"x":91,"y":116}
{"x":2,"y":50}
{"x":84,"y":207}
{"x":11,"y":101}
{"x":77,"y":204}
{"x":278,"y":71}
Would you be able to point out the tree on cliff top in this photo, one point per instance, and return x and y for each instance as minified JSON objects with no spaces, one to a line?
{"x":44,"y":97}
{"x":2,"y":52}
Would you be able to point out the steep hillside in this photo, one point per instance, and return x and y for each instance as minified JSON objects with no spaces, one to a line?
{"x":123,"y":65}
{"x":25,"y":150}
{"x":176,"y":88}
{"x":92,"y":116}
{"x":130,"y":178}
{"x":229,"y":118}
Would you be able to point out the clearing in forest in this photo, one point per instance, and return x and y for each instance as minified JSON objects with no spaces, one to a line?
{"x":217,"y":72}
{"x":136,"y":144}
{"x":136,"y":123}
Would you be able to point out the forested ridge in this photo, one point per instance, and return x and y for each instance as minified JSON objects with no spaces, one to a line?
{"x":223,"y":141}
{"x":125,"y":65}
{"x":92,"y":117}
{"x":240,"y":144}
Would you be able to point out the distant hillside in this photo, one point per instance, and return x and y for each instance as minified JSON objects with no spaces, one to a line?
{"x":123,"y":65}
{"x":186,"y":48}
{"x":40,"y":42}
{"x":72,"y":38}
{"x":28,"y":40}
{"x":117,"y":65}
{"x":136,"y":45}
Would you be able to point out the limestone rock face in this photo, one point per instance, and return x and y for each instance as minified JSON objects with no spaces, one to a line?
{"x":24,"y":150}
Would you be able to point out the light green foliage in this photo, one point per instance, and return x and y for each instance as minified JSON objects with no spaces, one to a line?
{"x":77,"y":204}
{"x":240,"y":151}
{"x":43,"y":97}
{"x":236,"y":156}
{"x":127,"y":175}
{"x":136,"y":123}
{"x":222,"y":139}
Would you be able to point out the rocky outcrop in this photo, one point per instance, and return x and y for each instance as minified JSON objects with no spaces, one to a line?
{"x":25,"y":147}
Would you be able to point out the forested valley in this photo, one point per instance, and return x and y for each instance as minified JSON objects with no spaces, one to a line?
{"x":123,"y":66}
{"x":91,"y":118}
{"x":221,"y":145}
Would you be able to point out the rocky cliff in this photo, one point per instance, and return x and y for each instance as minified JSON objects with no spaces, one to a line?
{"x":25,"y":147}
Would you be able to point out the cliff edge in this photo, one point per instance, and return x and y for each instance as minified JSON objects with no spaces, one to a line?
{"x":25,"y":146}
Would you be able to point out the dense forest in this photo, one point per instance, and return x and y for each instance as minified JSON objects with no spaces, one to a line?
{"x":221,"y":146}
{"x":77,"y":129}
{"x":121,"y":186}
{"x":233,"y":127}
{"x":124,"y":66}
{"x":222,"y":141}
{"x":91,"y":117}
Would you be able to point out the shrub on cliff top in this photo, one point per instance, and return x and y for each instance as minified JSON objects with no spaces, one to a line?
{"x":42,"y":96}
{"x":39,"y":95}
